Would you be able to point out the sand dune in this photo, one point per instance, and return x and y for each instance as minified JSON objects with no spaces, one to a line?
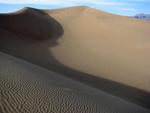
{"x":26,"y":88}
{"x":26,"y":22}
{"x":110,"y":46}
{"x":102,"y":50}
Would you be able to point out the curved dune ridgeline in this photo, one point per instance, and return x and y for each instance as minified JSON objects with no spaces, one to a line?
{"x":90,"y":52}
{"x":31,"y":23}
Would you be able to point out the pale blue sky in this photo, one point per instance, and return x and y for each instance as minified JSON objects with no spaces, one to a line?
{"x":121,"y":7}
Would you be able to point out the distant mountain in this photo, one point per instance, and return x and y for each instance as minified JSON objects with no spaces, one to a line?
{"x":142,"y":16}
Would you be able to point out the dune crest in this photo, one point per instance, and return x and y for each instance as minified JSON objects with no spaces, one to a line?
{"x":109,"y":46}
{"x":102,"y":50}
{"x":32,"y":23}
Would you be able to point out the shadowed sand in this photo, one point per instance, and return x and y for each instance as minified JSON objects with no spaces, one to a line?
{"x":26,"y":88}
{"x":26,"y":22}
{"x":102,"y":50}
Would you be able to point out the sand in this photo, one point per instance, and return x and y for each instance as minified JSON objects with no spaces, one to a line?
{"x":83,"y":45}
{"x":27,"y":88}
{"x":105,"y":45}
{"x":22,"y":24}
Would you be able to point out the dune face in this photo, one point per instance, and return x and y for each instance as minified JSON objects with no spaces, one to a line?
{"x":32,"y":89}
{"x":102,"y":50}
{"x":94,"y":42}
{"x":105,"y":45}
{"x":31,"y":23}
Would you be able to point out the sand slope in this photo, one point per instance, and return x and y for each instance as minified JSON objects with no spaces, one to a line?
{"x":105,"y":45}
{"x":99,"y":49}
{"x":101,"y":44}
{"x":26,"y":88}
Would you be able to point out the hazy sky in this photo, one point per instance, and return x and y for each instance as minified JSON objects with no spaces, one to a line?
{"x":121,"y":7}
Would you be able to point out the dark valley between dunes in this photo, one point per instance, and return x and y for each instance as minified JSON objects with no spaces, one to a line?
{"x":73,"y":60}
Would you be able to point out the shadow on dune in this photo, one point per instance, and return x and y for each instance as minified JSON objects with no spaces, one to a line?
{"x":32,"y":23}
{"x":38,"y":52}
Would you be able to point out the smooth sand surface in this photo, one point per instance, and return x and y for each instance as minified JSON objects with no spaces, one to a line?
{"x":102,"y":50}
{"x":105,"y":45}
{"x":27,"y":88}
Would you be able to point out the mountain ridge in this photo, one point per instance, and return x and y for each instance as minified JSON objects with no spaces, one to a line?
{"x":142,"y":16}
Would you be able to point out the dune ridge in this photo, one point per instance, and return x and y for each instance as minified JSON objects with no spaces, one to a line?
{"x":80,"y":43}
{"x":28,"y":25}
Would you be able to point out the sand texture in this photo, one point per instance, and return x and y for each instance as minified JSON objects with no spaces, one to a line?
{"x":26,"y":88}
{"x":73,"y":60}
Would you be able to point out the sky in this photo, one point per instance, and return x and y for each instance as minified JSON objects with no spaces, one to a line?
{"x":120,"y":7}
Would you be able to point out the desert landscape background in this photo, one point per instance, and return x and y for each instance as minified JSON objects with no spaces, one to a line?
{"x":76,"y":59}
